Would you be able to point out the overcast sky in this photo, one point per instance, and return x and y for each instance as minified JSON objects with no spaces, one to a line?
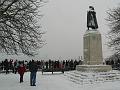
{"x":65,"y":23}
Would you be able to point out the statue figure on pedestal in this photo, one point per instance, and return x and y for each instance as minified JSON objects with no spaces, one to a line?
{"x":91,"y":18}
{"x":92,"y":47}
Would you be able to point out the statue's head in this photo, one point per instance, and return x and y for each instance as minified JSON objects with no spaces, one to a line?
{"x":91,"y":8}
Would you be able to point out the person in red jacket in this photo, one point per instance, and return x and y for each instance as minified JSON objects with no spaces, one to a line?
{"x":21,"y":71}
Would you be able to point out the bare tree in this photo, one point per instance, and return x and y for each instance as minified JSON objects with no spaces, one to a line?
{"x":114,"y":34}
{"x":19,"y":28}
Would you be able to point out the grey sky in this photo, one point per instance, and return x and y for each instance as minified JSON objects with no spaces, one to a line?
{"x":65,"y":23}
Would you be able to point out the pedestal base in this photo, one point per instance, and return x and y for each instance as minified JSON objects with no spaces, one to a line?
{"x":93,"y":77}
{"x":93,"y":68}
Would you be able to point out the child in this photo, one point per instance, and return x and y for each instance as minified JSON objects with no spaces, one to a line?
{"x":21,"y":71}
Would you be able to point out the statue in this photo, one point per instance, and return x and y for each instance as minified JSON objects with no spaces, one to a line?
{"x":91,"y":18}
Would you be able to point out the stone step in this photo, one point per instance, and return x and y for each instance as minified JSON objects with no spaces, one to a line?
{"x":90,"y":78}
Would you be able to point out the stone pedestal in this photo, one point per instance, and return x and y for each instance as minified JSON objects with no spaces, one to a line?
{"x":92,"y":47}
{"x":93,"y":60}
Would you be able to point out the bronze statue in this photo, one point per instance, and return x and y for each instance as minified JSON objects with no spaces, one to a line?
{"x":91,"y":18}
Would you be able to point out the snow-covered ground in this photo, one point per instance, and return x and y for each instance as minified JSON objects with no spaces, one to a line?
{"x":57,"y":81}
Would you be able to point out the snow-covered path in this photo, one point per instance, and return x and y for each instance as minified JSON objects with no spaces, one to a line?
{"x":48,"y":81}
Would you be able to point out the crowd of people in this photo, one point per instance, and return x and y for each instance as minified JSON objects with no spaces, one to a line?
{"x":12,"y":65}
{"x":33,"y":66}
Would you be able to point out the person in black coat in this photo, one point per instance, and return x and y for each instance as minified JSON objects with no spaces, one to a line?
{"x":33,"y":68}
{"x":6,"y":66}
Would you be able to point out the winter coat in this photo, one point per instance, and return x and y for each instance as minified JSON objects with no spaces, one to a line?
{"x":91,"y":20}
{"x":6,"y":64}
{"x":61,"y":65}
{"x":21,"y":69}
{"x":33,"y":67}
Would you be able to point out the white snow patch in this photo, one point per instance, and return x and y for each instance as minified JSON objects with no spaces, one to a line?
{"x":59,"y":81}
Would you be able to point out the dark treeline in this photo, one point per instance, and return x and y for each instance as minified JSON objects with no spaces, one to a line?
{"x":12,"y":65}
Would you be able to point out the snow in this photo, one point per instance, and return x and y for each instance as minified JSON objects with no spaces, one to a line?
{"x":59,"y":81}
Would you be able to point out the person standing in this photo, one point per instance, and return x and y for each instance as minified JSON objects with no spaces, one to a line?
{"x":16,"y":64}
{"x":21,"y":71}
{"x":33,"y":71}
{"x":6,"y":66}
